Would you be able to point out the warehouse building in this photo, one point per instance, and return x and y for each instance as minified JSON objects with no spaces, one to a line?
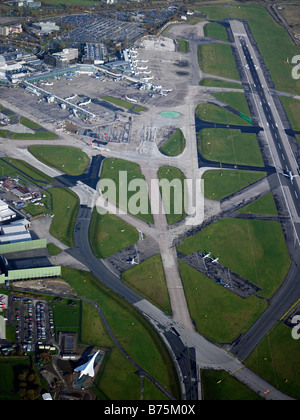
{"x":5,"y":212}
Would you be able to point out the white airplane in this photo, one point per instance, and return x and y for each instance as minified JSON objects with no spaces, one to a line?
{"x":215,"y":260}
{"x":133,"y":262}
{"x":290,"y":175}
{"x":99,"y":148}
{"x":88,"y":367}
{"x":207,"y":255}
{"x":131,"y":99}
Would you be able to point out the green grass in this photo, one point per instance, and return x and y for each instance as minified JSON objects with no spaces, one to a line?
{"x":219,"y":314}
{"x":220,"y":83}
{"x":220,"y":386}
{"x":148,"y":280}
{"x":69,"y":160}
{"x":218,"y":115}
{"x":137,"y":201}
{"x":217,"y":59}
{"x":53,"y":249}
{"x":65,"y":206}
{"x":184,"y":46}
{"x":36,"y":177}
{"x":108,"y":234}
{"x":9,"y":369}
{"x":273,"y":41}
{"x":215,"y":30}
{"x":254,"y":249}
{"x":264,"y":205}
{"x":133,"y":332}
{"x":173,"y":198}
{"x":66,"y":317}
{"x":292,"y":108}
{"x":229,"y":146}
{"x":276,"y":359}
{"x":219,"y":184}
{"x":29,"y":124}
{"x":174,"y":145}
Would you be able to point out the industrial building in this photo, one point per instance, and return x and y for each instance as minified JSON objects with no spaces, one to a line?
{"x":61,"y":59}
{"x":94,"y":53}
{"x":45,"y":27}
{"x":5,"y":212}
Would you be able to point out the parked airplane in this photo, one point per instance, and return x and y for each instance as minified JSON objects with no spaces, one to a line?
{"x":207,"y":255}
{"x":99,"y":148}
{"x":290,"y":175}
{"x":133,"y":262}
{"x":215,"y":260}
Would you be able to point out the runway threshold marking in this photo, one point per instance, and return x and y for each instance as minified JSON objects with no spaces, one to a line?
{"x":289,"y":310}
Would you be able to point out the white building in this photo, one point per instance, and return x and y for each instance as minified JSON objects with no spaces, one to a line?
{"x":5,"y":212}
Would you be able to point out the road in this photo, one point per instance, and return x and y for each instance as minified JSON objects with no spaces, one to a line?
{"x":191,"y":352}
{"x":282,"y":155}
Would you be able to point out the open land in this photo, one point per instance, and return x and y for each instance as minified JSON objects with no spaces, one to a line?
{"x":212,"y":282}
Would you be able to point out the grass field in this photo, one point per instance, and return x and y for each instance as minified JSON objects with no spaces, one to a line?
{"x":221,"y":386}
{"x":276,"y":359}
{"x":264,"y":205}
{"x":108,"y":234}
{"x":254,"y":249}
{"x":123,"y":103}
{"x":148,"y":279}
{"x":218,"y":115}
{"x":9,"y":368}
{"x":69,"y":160}
{"x":215,"y":30}
{"x":292,"y":108}
{"x":25,"y":170}
{"x":219,"y":314}
{"x":235,"y":99}
{"x":65,"y":206}
{"x":229,"y":146}
{"x":220,"y":83}
{"x":174,"y":145}
{"x":173,"y":198}
{"x":137,"y":199}
{"x":217,"y":59}
{"x":219,"y":184}
{"x":273,"y":41}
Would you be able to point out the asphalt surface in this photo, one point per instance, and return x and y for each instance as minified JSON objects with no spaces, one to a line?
{"x":284,"y":160}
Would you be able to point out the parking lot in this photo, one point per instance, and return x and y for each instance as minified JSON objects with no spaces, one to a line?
{"x":33,"y":320}
{"x":91,"y":28}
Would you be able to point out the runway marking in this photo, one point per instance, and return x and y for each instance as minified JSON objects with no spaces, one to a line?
{"x":242,"y":367}
{"x":283,"y":316}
